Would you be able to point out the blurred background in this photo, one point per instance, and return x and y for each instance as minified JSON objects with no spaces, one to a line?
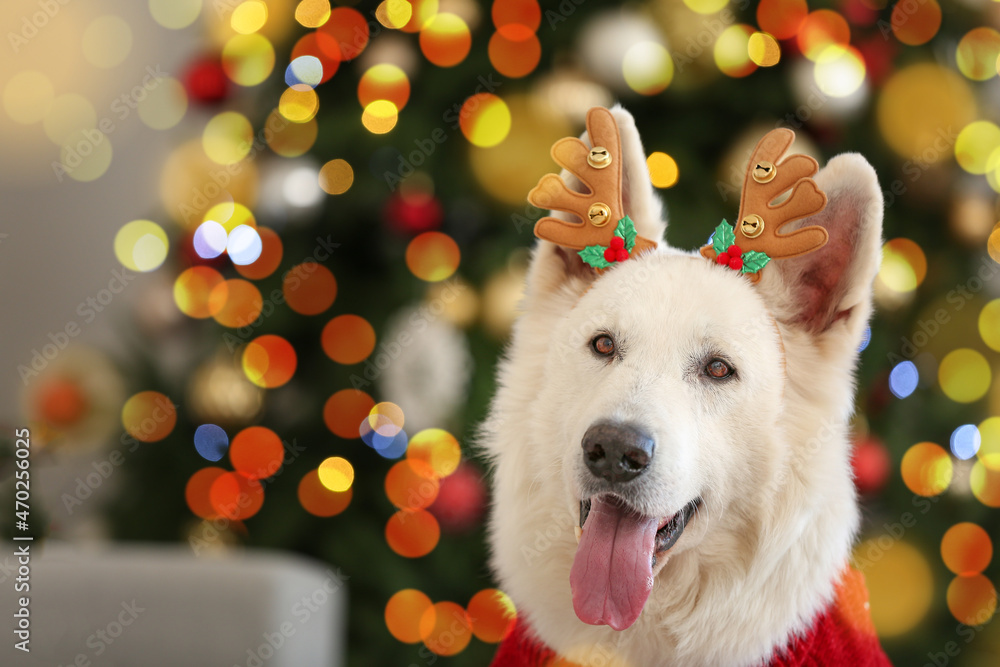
{"x":259,"y":259}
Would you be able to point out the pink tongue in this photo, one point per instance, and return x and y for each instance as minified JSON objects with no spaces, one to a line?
{"x":613,"y":573}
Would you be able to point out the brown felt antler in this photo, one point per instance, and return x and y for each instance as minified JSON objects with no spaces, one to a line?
{"x":759,"y":223}
{"x":600,"y":170}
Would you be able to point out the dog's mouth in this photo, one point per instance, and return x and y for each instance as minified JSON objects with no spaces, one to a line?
{"x":612,"y":573}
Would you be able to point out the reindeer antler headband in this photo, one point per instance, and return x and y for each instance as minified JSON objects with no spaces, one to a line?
{"x":748,"y":248}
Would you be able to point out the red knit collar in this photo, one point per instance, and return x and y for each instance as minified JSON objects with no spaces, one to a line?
{"x":842,"y":635}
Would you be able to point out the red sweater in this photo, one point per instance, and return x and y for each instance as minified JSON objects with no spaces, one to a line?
{"x":841,"y":636}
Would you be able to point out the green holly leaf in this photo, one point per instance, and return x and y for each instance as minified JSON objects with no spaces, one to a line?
{"x":626,"y":231}
{"x":594,"y":255}
{"x":723,"y":238}
{"x":754,"y":261}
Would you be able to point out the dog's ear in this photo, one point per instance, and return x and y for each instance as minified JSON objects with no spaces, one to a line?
{"x":831,"y":287}
{"x":555,"y":267}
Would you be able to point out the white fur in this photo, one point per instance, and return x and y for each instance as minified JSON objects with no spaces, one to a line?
{"x":768,"y":453}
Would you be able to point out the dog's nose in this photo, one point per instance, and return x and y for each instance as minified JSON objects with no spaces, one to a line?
{"x":617,"y":452}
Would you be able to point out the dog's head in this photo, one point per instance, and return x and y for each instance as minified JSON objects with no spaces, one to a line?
{"x":667,"y":402}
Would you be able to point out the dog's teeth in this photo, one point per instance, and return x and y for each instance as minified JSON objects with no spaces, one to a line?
{"x":579,"y":533}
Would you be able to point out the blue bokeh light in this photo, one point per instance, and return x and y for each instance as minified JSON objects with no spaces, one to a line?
{"x":965,"y":441}
{"x":211,"y":442}
{"x":903,"y":379}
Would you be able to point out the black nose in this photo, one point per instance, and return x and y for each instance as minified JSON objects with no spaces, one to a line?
{"x":617,"y":452}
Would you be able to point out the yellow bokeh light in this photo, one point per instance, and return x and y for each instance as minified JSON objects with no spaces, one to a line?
{"x":944,"y":99}
{"x":485,"y":120}
{"x":904,"y":265}
{"x":248,"y":59}
{"x":290,"y":139}
{"x":900,"y":584}
{"x":165,"y":105}
{"x":249,"y":17}
{"x":175,"y":14}
{"x":85,"y":155}
{"x":384,"y":82}
{"x":926,"y":469}
{"x":445,"y":40}
{"x":839,"y":71}
{"x":336,"y":474}
{"x":380,"y":116}
{"x":433,"y":256}
{"x":336,"y":177}
{"x":141,"y":245}
{"x":299,"y":103}
{"x":964,"y":375}
{"x":437,"y":448}
{"x":394,"y":13}
{"x":993,"y":244}
{"x":989,"y":324}
{"x":648,"y":68}
{"x":985,"y":483}
{"x":662,"y":170}
{"x":69,"y":114}
{"x":989,"y":447}
{"x":975,"y":145}
{"x":107,"y":41}
{"x":731,"y":51}
{"x":227,"y":137}
{"x":28,"y":97}
{"x":820,"y":30}
{"x":312,"y":13}
{"x":230,"y":215}
{"x":706,"y":6}
{"x":977,"y":54}
{"x":763,"y":49}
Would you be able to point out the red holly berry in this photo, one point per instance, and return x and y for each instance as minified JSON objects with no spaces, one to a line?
{"x":610,"y":254}
{"x":734,"y":251}
{"x":617,"y":242}
{"x":621,"y":254}
{"x":722,"y":258}
{"x":736,"y":263}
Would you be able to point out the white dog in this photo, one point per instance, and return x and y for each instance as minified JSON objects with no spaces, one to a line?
{"x":693,"y":421}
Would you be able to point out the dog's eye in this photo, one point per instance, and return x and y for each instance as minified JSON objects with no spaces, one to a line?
{"x":603,"y":345}
{"x":718,"y":369}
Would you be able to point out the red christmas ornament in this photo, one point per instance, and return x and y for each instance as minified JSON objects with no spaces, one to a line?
{"x":871,"y":464}
{"x":205,"y":81}
{"x":413,"y":215}
{"x":461,"y":500}
{"x":61,"y":403}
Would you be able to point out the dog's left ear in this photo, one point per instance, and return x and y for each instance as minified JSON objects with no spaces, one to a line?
{"x":831,"y":287}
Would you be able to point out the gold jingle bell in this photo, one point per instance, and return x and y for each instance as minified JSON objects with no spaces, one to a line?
{"x":752,"y":226}
{"x":599,"y":157}
{"x":599,"y":214}
{"x":764,"y":172}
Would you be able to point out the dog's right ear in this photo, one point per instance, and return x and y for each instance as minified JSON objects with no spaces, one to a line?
{"x":557,"y":264}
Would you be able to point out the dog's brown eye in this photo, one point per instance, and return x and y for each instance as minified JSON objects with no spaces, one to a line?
{"x":718,"y":369}
{"x":603,"y":345}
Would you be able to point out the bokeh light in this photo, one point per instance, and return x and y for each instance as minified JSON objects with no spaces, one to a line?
{"x":403,"y":612}
{"x":436,"y":448}
{"x":256,"y":452}
{"x":731,"y":51}
{"x":839,"y":71}
{"x":107,"y":41}
{"x":248,"y":17}
{"x":312,"y":13}
{"x":985,"y":483}
{"x":235,"y":303}
{"x":344,"y":410}
{"x":663,"y":171}
{"x":269,"y":259}
{"x":69,"y":115}
{"x":763,"y":49}
{"x":348,"y":339}
{"x":149,"y":416}
{"x":309,"y":288}
{"x":231,"y":215}
{"x":209,"y":239}
{"x":977,"y":53}
{"x":964,"y":375}
{"x":904,"y":265}
{"x":196,"y":492}
{"x":706,"y":6}
{"x":141,"y":245}
{"x":422,"y":12}
{"x":445,"y":40}
{"x":648,"y":68}
{"x":411,"y":485}
{"x":445,"y":628}
{"x":492,"y":614}
{"x":820,"y":30}
{"x":28,"y":97}
{"x":319,"y":500}
{"x":903,"y":379}
{"x":926,"y":469}
{"x":290,"y":139}
{"x":350,"y":30}
{"x":516,"y":18}
{"x":386,"y":418}
{"x":975,"y":144}
{"x":192,"y":290}
{"x":321,"y":46}
{"x":388,"y":447}
{"x":900,"y":584}
{"x":211,"y":442}
{"x":515,"y":51}
{"x":989,"y":448}
{"x":433,"y":256}
{"x":299,"y":103}
{"x":248,"y":59}
{"x":227,"y":137}
{"x":394,"y":14}
{"x":336,"y":473}
{"x":412,"y":534}
{"x":175,"y":14}
{"x":972,"y":600}
{"x":782,"y":18}
{"x":235,"y":496}
{"x":269,"y":361}
{"x":336,"y":177}
{"x":485,"y":120}
{"x":965,"y":441}
{"x":304,"y":70}
{"x":915,"y":23}
{"x":966,"y":549}
{"x":989,"y":324}
{"x":165,"y":105}
{"x":384,"y":82}
{"x":380,"y":116}
{"x":244,"y":245}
